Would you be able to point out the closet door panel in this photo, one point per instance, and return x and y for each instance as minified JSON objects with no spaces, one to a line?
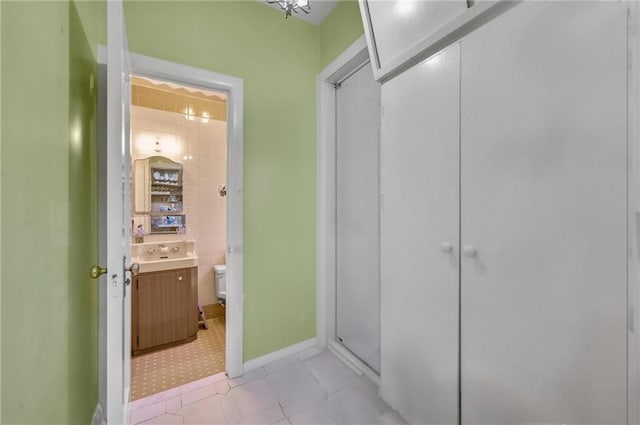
{"x":543,"y":202}
{"x":358,"y":217}
{"x":420,"y":212}
{"x":397,"y":26}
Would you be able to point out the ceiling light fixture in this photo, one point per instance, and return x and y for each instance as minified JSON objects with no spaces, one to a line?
{"x":292,"y":6}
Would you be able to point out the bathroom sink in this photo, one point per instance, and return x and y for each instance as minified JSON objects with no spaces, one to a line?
{"x":159,"y":256}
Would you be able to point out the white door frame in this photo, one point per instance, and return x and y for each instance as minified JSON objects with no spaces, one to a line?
{"x":145,"y":66}
{"x":343,"y":66}
{"x":114,"y":304}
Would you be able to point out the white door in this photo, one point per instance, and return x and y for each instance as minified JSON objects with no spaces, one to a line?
{"x":544,"y":192}
{"x":419,"y":240}
{"x":400,"y":25}
{"x":115,"y":178}
{"x":357,"y":216}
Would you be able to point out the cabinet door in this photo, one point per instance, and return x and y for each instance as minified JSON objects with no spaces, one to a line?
{"x":357,"y":216}
{"x":399,"y":25}
{"x":164,"y":300}
{"x":420,"y":216}
{"x":543,"y":160}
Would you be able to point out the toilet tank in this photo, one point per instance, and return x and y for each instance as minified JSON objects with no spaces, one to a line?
{"x":220,"y":276}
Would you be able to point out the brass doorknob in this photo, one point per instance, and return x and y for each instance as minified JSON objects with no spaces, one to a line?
{"x":97,"y":271}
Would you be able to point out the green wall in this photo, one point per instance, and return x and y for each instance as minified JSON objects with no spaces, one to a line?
{"x":48,"y":186}
{"x":49,"y":305}
{"x":83,"y":220}
{"x":1,"y":213}
{"x":93,"y":15}
{"x":278,"y":60}
{"x":342,"y":27}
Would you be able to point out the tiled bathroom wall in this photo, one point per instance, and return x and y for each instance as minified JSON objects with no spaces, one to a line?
{"x":200,"y":145}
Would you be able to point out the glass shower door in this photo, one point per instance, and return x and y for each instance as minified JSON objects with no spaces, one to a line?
{"x":357,"y":216}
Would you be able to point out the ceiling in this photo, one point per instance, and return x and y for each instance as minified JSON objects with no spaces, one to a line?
{"x":320,"y":9}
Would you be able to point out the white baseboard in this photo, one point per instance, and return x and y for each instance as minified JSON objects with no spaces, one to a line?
{"x":357,"y":365}
{"x":280,"y":354}
{"x":98,"y":416}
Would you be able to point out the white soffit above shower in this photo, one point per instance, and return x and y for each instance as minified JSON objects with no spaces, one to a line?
{"x":320,"y":9}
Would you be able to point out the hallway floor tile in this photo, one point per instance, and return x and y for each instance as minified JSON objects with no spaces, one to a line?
{"x":297,"y":390}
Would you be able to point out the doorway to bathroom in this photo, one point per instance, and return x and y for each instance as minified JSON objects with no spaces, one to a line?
{"x":116,"y":66}
{"x":179,"y":237}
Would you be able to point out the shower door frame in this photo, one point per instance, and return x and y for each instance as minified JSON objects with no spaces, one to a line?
{"x":352,"y":59}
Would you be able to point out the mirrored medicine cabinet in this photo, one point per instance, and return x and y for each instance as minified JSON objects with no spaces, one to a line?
{"x":158,"y":200}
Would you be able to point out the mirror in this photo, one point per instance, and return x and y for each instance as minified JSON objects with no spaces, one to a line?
{"x":157,"y":196}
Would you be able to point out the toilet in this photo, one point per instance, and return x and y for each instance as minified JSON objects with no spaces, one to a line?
{"x":220,"y":272}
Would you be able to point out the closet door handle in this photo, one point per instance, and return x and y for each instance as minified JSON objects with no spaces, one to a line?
{"x":446,"y":247}
{"x":469,"y":251}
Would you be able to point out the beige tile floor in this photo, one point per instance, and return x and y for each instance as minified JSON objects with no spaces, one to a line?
{"x":172,"y":367}
{"x":313,"y":387}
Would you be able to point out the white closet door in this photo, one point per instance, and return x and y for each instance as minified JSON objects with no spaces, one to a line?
{"x":543,"y":201}
{"x":358,"y":217}
{"x":420,"y":217}
{"x":400,"y":25}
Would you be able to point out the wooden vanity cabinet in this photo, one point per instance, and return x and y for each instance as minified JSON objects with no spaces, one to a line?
{"x":164,"y":309}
